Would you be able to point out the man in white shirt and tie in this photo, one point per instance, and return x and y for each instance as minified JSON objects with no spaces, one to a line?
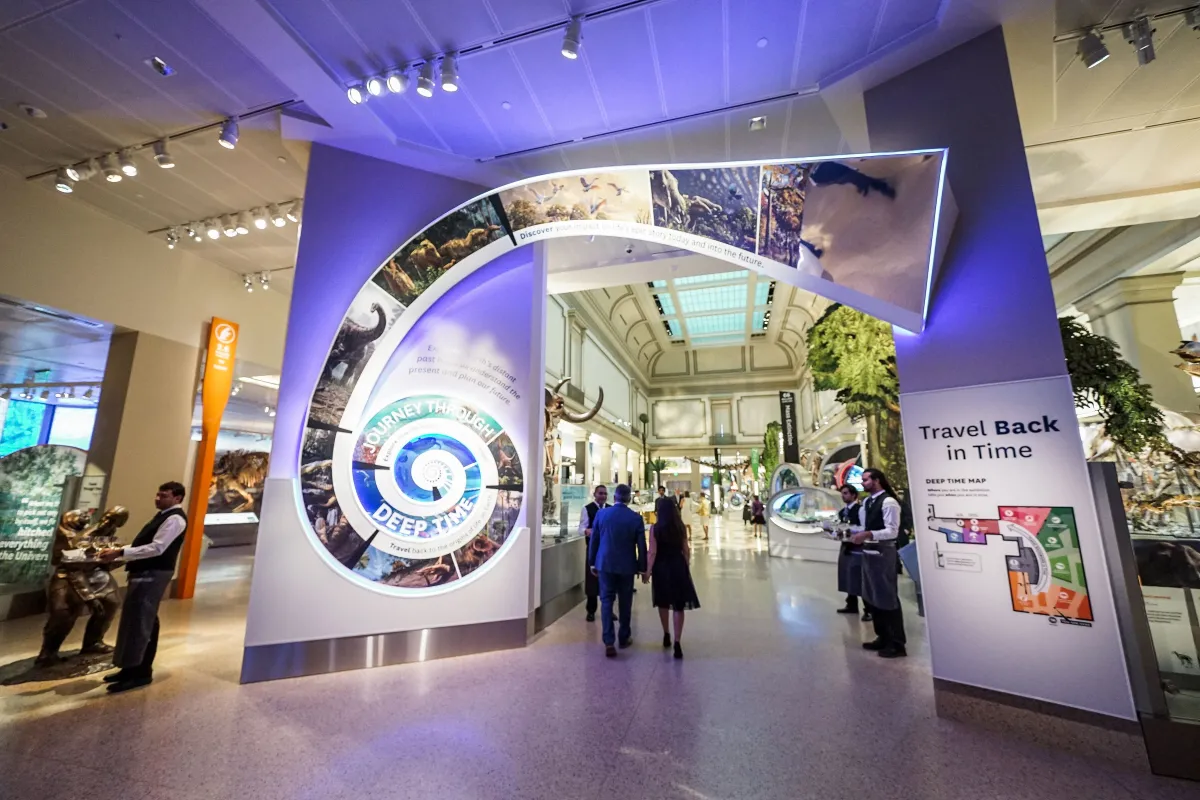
{"x":879,"y":525}
{"x":151,"y":565}
{"x":587,"y":517}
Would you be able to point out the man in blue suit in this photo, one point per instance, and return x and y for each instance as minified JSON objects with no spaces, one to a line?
{"x":616,"y":554}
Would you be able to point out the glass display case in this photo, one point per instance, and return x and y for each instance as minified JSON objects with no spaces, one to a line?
{"x":795,"y":512}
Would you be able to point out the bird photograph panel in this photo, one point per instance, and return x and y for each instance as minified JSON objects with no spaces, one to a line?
{"x":719,"y":203}
{"x":620,"y":196}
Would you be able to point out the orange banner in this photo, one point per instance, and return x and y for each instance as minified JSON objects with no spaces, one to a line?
{"x":218,"y":382}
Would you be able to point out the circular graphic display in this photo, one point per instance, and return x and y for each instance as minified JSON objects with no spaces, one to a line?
{"x":439,"y":482}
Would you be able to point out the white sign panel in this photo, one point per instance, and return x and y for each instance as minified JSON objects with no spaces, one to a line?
{"x":1174,"y":643}
{"x":1015,"y":583}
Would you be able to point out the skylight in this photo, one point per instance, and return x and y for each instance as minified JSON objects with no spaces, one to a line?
{"x":760,"y":292}
{"x":715,"y":278}
{"x":716,"y":324}
{"x":667,"y":304}
{"x":717,"y":298}
{"x":673,"y":328}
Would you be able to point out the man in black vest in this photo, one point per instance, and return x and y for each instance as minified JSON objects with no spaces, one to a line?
{"x":587,"y":517}
{"x":152,"y":558}
{"x":880,"y":524}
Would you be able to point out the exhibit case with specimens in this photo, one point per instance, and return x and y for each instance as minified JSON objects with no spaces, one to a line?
{"x":795,"y":512}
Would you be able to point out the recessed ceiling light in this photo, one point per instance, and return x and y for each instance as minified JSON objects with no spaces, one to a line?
{"x":506,"y":105}
{"x":761,"y":43}
{"x":161,"y":67}
{"x":32,"y":111}
{"x":758,"y":123}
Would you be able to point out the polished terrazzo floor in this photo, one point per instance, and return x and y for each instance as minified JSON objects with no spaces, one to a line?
{"x":775,"y":699}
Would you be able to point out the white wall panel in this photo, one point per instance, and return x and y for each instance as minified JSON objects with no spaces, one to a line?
{"x":601,"y":371}
{"x":755,"y":411}
{"x":679,"y":419}
{"x":555,"y":338}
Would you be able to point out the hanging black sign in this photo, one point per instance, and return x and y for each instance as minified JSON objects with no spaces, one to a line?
{"x":791,"y":436}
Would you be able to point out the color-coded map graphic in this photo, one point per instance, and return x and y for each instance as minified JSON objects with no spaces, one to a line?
{"x":1045,"y":574}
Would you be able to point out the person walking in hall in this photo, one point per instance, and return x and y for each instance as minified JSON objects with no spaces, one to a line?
{"x":747,"y":513}
{"x":616,"y":554}
{"x":704,"y":509}
{"x":587,"y":519}
{"x":879,"y":524}
{"x":757,"y":518}
{"x":849,"y":565}
{"x":685,"y":511}
{"x":670,"y":557}
{"x":152,"y":557}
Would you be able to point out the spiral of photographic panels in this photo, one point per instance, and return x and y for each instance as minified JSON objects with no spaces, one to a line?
{"x":436,"y":488}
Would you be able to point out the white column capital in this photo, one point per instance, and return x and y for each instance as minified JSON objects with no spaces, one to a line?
{"x":1134,"y":290}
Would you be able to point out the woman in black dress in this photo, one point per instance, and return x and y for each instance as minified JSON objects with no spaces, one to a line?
{"x":669,"y":558}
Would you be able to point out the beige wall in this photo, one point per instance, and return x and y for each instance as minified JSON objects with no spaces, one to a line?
{"x":144,"y":422}
{"x":59,"y":252}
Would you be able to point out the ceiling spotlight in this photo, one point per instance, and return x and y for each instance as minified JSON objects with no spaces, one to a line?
{"x":127,"y":165}
{"x":72,"y":172}
{"x":356,"y":94}
{"x":1139,"y":34}
{"x":192,"y":230}
{"x":242,"y":224}
{"x":45,"y":394}
{"x":758,"y":123}
{"x":277,"y":218}
{"x":572,"y":38}
{"x":111,"y":173}
{"x":397,"y":82}
{"x":87,"y":169}
{"x":172,"y":239}
{"x":63,"y":181}
{"x":88,"y":394}
{"x":211,"y":229}
{"x":229,"y":134}
{"x":375,"y":86}
{"x":1191,"y":18}
{"x":425,"y":80}
{"x":161,"y":156}
{"x":249,"y":284}
{"x":294,"y":211}
{"x":264,"y":280}
{"x":1092,"y":49}
{"x":450,"y":73}
{"x":4,"y":394}
{"x":260,"y":219}
{"x":229,"y":226}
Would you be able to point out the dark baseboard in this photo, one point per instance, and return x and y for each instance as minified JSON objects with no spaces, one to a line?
{"x":22,"y":604}
{"x":1173,"y":746}
{"x":554,"y":609}
{"x":294,"y":659}
{"x":1050,"y":725}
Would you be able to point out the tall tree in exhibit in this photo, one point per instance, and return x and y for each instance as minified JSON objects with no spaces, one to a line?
{"x":854,"y":355}
{"x":771,"y":449}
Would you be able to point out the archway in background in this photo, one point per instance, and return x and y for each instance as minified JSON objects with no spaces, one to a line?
{"x":436,"y":479}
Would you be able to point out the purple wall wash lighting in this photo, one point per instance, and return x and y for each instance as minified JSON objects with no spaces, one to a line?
{"x":356,"y":209}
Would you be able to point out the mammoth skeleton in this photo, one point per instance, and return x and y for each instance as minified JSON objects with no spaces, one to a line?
{"x":556,"y":411}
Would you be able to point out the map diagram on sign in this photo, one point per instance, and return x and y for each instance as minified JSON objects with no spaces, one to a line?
{"x":1044,"y":561}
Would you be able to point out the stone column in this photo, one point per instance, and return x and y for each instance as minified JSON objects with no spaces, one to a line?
{"x":143,"y":421}
{"x":1138,"y":313}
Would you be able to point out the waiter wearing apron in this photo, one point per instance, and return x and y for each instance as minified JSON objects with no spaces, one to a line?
{"x":849,"y":565}
{"x":880,"y":524}
{"x":587,"y":517}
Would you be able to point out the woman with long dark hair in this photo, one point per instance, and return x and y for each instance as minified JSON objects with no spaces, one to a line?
{"x":673,"y":590}
{"x":758,"y":516}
